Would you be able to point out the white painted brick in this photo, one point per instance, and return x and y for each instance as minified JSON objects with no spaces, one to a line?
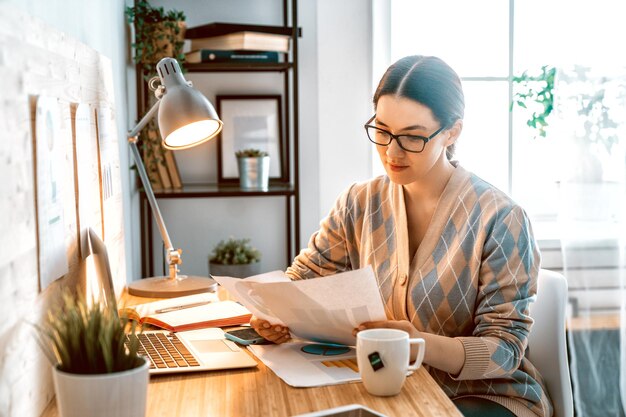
{"x":42,"y":61}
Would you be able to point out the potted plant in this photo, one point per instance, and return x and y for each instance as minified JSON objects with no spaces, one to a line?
{"x":587,"y":107}
{"x":234,"y":258}
{"x":158,"y":34}
{"x":254,"y":169}
{"x":535,"y":94}
{"x":96,"y":371}
{"x":587,"y":123}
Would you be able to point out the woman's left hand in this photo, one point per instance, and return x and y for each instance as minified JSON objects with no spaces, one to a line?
{"x":388,"y":324}
{"x":392,"y":324}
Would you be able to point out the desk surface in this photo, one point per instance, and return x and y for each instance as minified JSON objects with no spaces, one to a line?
{"x":258,"y":392}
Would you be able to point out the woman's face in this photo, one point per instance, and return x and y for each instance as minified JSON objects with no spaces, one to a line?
{"x":400,"y":115}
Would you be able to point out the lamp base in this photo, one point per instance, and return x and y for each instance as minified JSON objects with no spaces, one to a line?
{"x":164,"y":287}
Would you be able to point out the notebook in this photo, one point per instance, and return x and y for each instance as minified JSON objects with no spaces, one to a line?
{"x":169,"y":352}
{"x":190,"y":312}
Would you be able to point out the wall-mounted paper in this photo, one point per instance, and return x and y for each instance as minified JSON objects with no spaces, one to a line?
{"x":111,"y":183}
{"x":49,"y":153}
{"x":87,"y":160}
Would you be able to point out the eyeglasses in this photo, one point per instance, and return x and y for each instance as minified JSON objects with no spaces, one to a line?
{"x":410,"y":143}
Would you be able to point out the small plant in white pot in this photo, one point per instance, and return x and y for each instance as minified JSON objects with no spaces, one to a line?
{"x":96,"y":372}
{"x":234,"y":258}
{"x":254,"y":169}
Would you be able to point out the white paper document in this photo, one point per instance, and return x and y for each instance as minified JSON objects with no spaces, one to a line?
{"x":51,"y":224}
{"x":324,"y":309}
{"x":300,"y":369}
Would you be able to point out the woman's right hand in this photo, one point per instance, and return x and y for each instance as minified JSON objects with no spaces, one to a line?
{"x":272,"y":332}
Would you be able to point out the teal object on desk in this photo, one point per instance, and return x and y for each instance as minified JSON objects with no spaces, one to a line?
{"x":325,"y":349}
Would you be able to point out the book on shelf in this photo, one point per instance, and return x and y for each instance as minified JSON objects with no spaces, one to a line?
{"x":245,"y":41}
{"x":219,"y":28}
{"x":191,"y":312}
{"x":150,"y":163}
{"x":172,"y":169}
{"x":215,"y":55}
{"x":159,"y":159}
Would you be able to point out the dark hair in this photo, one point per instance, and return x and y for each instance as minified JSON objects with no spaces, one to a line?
{"x":429,"y":81}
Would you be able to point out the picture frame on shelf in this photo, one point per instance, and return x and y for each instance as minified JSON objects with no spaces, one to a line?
{"x":250,"y":122}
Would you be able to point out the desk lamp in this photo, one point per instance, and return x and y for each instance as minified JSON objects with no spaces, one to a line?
{"x":186,"y":118}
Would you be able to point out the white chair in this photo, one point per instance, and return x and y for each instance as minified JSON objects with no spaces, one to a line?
{"x":547,"y":348}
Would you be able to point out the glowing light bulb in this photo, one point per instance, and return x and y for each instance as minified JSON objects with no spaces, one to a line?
{"x":192,"y":134}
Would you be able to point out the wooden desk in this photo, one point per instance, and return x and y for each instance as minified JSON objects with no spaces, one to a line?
{"x":258,"y":392}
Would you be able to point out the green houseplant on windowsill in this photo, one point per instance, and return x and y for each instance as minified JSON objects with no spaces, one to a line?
{"x":584,"y":109}
{"x":535,"y":94}
{"x":234,"y":258}
{"x":585,"y":128}
{"x":95,"y":371}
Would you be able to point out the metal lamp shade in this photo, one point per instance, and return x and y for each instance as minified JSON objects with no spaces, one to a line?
{"x":186,"y":117}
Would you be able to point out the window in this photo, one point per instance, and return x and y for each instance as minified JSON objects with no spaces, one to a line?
{"x":488,"y":42}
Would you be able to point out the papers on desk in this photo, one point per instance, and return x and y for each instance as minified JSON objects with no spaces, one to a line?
{"x":324,"y":309}
{"x":300,"y":369}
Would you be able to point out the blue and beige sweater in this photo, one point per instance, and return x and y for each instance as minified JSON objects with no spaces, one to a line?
{"x":472,"y":278}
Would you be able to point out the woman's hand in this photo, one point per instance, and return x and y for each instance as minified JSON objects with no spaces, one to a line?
{"x":389,"y":324}
{"x":272,"y":332}
{"x":392,"y":324}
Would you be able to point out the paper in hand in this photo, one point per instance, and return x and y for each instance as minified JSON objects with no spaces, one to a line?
{"x":324,"y":309}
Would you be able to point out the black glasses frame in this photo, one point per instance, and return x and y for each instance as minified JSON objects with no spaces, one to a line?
{"x":424,"y":139}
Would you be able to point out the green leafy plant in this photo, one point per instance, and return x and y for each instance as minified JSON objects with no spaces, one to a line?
{"x":250,"y":153}
{"x":591,"y":103}
{"x":158,"y":34}
{"x":234,"y":252}
{"x":594,"y":104}
{"x":535,"y":94}
{"x":88,"y":338}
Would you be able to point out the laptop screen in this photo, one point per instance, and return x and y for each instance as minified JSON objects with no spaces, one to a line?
{"x":99,"y":281}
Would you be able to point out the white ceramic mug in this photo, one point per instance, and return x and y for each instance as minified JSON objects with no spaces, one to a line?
{"x":383,"y":359}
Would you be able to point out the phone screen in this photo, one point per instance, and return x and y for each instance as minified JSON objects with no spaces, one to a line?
{"x":245,"y":334}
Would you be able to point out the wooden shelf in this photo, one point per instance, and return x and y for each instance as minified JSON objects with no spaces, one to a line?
{"x":222,"y":190}
{"x":239,"y":67}
{"x":287,"y":188}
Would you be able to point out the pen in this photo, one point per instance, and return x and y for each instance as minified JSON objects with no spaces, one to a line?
{"x":175,"y":308}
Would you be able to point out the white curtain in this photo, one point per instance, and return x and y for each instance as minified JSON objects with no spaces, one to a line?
{"x":591,"y":123}
{"x":593,"y":268}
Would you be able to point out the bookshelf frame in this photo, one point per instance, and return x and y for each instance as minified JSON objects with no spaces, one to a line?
{"x":289,"y":190}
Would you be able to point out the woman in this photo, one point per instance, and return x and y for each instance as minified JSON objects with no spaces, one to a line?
{"x":454,"y":257}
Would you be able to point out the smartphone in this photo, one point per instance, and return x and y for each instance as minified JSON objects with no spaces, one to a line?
{"x":245,"y":337}
{"x":352,"y":410}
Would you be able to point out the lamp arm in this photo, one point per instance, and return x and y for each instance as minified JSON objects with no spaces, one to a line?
{"x":144,"y":120}
{"x":173,"y":255}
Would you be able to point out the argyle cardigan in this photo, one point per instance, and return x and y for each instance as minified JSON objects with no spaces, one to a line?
{"x":472,"y":278}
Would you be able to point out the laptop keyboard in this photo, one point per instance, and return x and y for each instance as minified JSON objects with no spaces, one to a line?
{"x":165,"y":351}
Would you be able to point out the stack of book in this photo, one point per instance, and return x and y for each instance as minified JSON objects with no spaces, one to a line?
{"x":237,"y":43}
{"x":160,"y":164}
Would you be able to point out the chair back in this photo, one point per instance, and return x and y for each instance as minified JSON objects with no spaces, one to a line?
{"x":547,"y":347}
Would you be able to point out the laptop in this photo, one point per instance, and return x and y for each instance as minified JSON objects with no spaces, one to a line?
{"x":168,"y":352}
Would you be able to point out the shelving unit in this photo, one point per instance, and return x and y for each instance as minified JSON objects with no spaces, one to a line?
{"x":289,"y":190}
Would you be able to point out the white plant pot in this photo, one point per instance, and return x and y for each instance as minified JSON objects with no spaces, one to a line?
{"x":235,"y":271}
{"x":121,"y":394}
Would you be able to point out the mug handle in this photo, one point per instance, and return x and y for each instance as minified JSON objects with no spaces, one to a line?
{"x":420,"y":353}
